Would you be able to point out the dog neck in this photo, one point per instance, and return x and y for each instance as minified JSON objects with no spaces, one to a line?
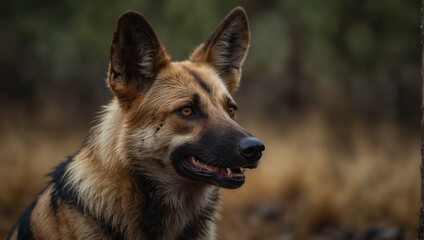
{"x":180,"y":212}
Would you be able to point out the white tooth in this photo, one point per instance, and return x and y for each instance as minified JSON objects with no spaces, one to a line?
{"x":229,"y":171}
{"x":197,"y":161}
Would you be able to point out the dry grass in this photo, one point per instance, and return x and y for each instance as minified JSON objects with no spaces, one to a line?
{"x":310,"y":183}
{"x":310,"y":180}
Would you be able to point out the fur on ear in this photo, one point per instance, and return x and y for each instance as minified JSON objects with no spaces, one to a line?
{"x":226,"y":48}
{"x":136,"y":56}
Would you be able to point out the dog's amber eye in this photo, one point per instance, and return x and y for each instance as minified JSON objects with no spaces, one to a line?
{"x":232,"y":111}
{"x":187,"y":111}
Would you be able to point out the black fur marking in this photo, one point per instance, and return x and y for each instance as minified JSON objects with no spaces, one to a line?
{"x":115,"y":73}
{"x":159,"y":127}
{"x":203,"y":84}
{"x":231,"y":103}
{"x":199,"y":80}
{"x":196,"y":100}
{"x":61,"y":192}
{"x":24,"y":231}
{"x":112,"y":232}
{"x":196,"y":104}
{"x":155,"y":214}
{"x":68,"y":196}
{"x":193,"y":229}
{"x":24,"y":224}
{"x":153,"y":210}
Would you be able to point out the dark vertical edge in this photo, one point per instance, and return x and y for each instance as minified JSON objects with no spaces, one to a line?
{"x":421,"y":220}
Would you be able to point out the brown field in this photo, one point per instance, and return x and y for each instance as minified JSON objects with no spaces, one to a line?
{"x":313,"y":181}
{"x":312,"y":184}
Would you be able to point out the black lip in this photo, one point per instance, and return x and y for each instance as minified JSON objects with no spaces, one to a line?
{"x":188,"y":171}
{"x":206,"y":173}
{"x":216,"y":148}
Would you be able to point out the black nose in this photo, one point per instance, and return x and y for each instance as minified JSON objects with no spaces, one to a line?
{"x":251,"y":148}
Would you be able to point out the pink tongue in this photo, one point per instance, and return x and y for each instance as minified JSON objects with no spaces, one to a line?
{"x":205,"y":166}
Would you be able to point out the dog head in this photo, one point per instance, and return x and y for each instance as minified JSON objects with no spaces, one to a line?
{"x":179,"y":117}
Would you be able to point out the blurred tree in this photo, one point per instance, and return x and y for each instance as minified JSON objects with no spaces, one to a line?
{"x":334,"y":55}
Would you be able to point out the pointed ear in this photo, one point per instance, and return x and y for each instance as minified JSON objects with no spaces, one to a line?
{"x":136,"y":56}
{"x":226,"y":48}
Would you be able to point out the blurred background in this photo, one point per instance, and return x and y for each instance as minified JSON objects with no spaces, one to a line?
{"x":333,"y":88}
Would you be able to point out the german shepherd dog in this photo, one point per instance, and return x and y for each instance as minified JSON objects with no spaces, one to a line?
{"x":165,"y":144}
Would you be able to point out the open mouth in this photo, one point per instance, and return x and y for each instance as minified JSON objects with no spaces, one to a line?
{"x":203,"y":168}
{"x":227,"y":177}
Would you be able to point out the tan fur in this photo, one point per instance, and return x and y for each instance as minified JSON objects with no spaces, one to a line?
{"x":43,"y":219}
{"x":93,"y":171}
{"x":136,"y":135}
